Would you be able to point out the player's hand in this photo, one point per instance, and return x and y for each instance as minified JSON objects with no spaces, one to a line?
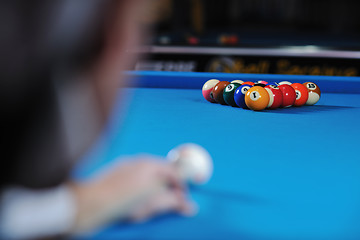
{"x":132,"y":190}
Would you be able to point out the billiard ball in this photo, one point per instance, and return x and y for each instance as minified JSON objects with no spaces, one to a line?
{"x":285,"y":82}
{"x":259,"y":84}
{"x":239,"y":95}
{"x":262,"y":82}
{"x":193,"y":163}
{"x":301,"y":94}
{"x":217,"y":92}
{"x":248,"y":83}
{"x":273,"y":84}
{"x":228,"y":94}
{"x":237,"y":81}
{"x":207,"y":88}
{"x":289,"y":95}
{"x":257,"y":98}
{"x":314,"y":93}
{"x":275,"y":95}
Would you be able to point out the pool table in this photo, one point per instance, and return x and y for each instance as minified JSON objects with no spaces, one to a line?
{"x":289,"y":173}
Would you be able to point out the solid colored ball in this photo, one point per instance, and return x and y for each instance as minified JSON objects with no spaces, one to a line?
{"x":248,"y":83}
{"x":207,"y":88}
{"x":257,"y":98}
{"x":301,"y":94}
{"x":193,"y":163}
{"x":285,"y":82}
{"x":229,"y":92}
{"x":314,"y":93}
{"x":217,"y":92}
{"x":289,"y":95}
{"x":239,"y":95}
{"x":237,"y":81}
{"x":275,"y":95}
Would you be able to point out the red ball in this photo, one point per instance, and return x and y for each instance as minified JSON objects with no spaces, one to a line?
{"x":289,"y":95}
{"x":276,"y":96}
{"x":302,"y":94}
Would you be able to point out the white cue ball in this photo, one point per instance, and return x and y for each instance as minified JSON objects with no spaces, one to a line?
{"x":194,"y":163}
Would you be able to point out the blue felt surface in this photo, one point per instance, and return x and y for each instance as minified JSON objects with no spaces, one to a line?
{"x":283,"y":174}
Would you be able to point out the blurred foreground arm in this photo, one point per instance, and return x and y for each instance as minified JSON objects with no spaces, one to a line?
{"x":133,"y":190}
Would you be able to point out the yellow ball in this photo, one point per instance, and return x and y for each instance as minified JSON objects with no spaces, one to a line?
{"x":257,"y":98}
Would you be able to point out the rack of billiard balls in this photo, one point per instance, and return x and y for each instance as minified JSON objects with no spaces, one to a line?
{"x":261,"y":95}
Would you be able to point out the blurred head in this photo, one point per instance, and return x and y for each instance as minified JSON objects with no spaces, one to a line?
{"x":60,"y":68}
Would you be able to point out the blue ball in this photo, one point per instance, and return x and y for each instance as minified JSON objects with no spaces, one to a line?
{"x":239,"y":95}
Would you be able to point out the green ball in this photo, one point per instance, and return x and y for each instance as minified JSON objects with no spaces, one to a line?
{"x":228,"y":94}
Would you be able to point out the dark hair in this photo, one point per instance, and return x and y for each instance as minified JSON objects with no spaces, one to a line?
{"x":38,"y":38}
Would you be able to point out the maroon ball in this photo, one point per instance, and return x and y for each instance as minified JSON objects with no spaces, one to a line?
{"x":217,"y":92}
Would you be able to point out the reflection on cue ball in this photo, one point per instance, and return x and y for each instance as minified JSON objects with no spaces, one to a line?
{"x":194,"y":163}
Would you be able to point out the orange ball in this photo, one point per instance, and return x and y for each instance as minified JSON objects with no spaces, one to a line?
{"x":301,"y":94}
{"x":248,"y":83}
{"x":257,"y":98}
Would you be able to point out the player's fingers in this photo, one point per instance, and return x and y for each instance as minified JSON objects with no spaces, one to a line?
{"x":162,"y":169}
{"x":172,"y":177}
{"x":186,"y":206}
{"x":166,"y":202}
{"x":182,"y":204}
